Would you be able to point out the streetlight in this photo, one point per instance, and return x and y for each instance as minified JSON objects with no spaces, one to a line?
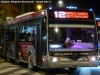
{"x":50,"y":7}
{"x":60,"y":3}
{"x":39,"y":7}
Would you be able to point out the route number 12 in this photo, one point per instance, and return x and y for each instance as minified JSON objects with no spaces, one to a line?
{"x":60,"y":14}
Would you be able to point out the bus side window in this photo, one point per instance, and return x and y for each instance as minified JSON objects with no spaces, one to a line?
{"x":22,"y":37}
{"x":23,"y":33}
{"x":31,"y":36}
{"x":7,"y":36}
{"x":13,"y":35}
{"x":10,"y":35}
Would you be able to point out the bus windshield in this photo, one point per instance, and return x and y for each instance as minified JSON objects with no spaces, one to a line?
{"x":71,"y":35}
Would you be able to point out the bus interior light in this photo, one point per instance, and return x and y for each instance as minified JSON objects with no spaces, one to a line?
{"x":56,"y":30}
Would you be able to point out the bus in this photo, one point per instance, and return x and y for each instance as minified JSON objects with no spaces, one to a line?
{"x":98,"y":32}
{"x":52,"y":38}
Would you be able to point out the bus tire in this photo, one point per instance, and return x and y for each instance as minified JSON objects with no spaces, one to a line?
{"x":30,"y":61}
{"x":8,"y":55}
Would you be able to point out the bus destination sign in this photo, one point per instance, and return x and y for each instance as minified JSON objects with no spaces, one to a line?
{"x":64,"y":14}
{"x":71,"y":14}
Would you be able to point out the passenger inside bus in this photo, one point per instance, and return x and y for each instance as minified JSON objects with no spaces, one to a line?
{"x":30,"y":38}
{"x":68,"y":42}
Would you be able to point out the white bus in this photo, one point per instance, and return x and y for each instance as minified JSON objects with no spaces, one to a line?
{"x":53,"y":38}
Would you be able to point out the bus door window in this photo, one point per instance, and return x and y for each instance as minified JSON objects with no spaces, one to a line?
{"x":23,"y":32}
{"x":43,"y":36}
{"x":38,"y":41}
{"x":99,"y":40}
{"x":10,"y":36}
{"x":10,"y":33}
{"x":99,"y":37}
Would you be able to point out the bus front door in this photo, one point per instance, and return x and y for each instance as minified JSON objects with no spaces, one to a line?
{"x":17,"y":45}
{"x":99,"y":45}
{"x":38,"y":46}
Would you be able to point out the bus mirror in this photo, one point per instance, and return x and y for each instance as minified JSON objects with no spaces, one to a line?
{"x":98,"y":26}
{"x":44,"y":23}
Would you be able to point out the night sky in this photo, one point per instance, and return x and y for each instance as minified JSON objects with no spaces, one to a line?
{"x":86,"y":4}
{"x":94,"y":4}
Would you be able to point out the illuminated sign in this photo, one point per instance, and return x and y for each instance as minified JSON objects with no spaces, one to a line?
{"x":63,"y":14}
{"x":71,"y":14}
{"x":99,"y":24}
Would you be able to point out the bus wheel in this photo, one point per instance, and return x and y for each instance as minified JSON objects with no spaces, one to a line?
{"x":30,"y":61}
{"x":8,"y":56}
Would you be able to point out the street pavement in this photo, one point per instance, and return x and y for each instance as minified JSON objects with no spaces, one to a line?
{"x":7,"y":68}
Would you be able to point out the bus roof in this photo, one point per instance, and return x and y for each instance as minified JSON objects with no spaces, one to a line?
{"x":26,"y":16}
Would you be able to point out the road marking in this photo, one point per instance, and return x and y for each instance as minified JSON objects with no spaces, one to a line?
{"x":8,"y":69}
{"x":99,"y":70}
{"x":39,"y":73}
{"x":7,"y":64}
{"x":61,"y":74}
{"x":21,"y":71}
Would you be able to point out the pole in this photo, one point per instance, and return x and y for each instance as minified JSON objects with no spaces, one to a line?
{"x":23,"y":10}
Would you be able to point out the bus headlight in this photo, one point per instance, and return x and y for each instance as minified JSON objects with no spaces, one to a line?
{"x":93,"y":59}
{"x":54,"y":59}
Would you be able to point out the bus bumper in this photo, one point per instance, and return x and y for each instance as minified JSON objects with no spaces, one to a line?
{"x":66,"y":63}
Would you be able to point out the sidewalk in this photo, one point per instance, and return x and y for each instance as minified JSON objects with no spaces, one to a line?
{"x":2,"y":60}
